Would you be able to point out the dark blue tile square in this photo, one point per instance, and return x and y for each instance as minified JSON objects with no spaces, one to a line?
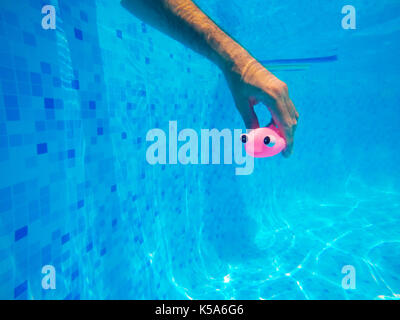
{"x":65,"y":238}
{"x":41,"y":148}
{"x":74,"y":274}
{"x":10,"y":101}
{"x":80,"y":204}
{"x":45,"y":67}
{"x":46,"y":254}
{"x":3,"y":128}
{"x":84,"y":16}
{"x":78,"y":34}
{"x":6,"y":74}
{"x":18,"y":290}
{"x":10,"y":18}
{"x":75,"y":84}
{"x":37,"y":90}
{"x":21,"y":233}
{"x":3,"y":141}
{"x":89,"y":247}
{"x":49,"y":103}
{"x":71,"y":153}
{"x":12,"y":114}
{"x":29,"y":39}
{"x":36,"y":78}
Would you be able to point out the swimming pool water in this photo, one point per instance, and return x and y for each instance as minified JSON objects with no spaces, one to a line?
{"x":77,"y":193}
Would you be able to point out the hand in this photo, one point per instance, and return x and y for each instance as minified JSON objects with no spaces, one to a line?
{"x":251,"y":83}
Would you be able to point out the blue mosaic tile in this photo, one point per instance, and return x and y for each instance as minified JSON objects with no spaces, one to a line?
{"x":45,"y":67}
{"x":29,"y":39}
{"x":21,"y":233}
{"x":20,"y":289}
{"x":49,"y":103}
{"x":78,"y":34}
{"x":41,"y":148}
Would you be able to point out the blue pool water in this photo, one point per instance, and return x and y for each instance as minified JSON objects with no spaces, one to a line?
{"x":77,"y":193}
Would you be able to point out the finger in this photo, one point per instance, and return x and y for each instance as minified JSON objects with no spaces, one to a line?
{"x":280,"y":115}
{"x":249,"y":117}
{"x":289,"y":133}
{"x":296,"y":113}
{"x":289,"y":106}
{"x":289,"y":147}
{"x":296,"y":117}
{"x":285,"y":125}
{"x":246,"y":110}
{"x":290,"y":128}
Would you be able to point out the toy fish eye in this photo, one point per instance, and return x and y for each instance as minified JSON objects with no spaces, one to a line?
{"x":244,"y":138}
{"x":269,"y":141}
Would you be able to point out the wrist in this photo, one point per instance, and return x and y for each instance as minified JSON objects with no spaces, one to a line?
{"x":235,"y":59}
{"x":226,"y":53}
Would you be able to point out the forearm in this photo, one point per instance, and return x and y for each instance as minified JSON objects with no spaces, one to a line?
{"x":185,"y":22}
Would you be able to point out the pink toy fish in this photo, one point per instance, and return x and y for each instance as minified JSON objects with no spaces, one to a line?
{"x":263,"y":142}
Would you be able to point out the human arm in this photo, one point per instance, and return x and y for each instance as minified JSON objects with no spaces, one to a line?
{"x":248,"y":80}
